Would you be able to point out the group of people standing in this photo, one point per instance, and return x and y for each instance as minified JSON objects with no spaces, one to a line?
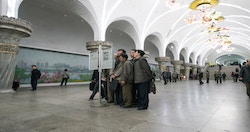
{"x":168,"y":77}
{"x":235,"y":75}
{"x":218,"y":76}
{"x":128,"y":83}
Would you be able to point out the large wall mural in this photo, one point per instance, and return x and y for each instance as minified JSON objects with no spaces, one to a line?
{"x":51,"y":64}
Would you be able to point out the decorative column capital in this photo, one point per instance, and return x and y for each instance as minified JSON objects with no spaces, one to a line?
{"x":195,"y":66}
{"x":177,"y":62}
{"x":162,"y":59}
{"x":187,"y":64}
{"x":147,"y":54}
{"x":94,"y":45}
{"x":19,"y":25}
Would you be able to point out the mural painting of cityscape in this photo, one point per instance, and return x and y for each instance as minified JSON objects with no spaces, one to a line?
{"x":51,"y":64}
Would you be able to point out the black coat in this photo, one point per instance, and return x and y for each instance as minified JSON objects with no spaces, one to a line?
{"x":35,"y":74}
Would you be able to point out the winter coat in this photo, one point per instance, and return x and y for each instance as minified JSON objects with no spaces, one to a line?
{"x":142,"y":71}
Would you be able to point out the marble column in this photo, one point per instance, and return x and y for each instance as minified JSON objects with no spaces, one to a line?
{"x":11,"y":31}
{"x":187,"y":67}
{"x":177,"y":65}
{"x":194,"y":69}
{"x":162,"y":61}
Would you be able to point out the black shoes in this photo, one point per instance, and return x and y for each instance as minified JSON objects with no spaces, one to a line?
{"x":142,"y":108}
{"x":129,"y":106}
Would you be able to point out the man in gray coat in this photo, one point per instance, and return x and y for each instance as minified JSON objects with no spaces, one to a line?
{"x":115,"y":74}
{"x":245,"y":76}
{"x":127,"y":77}
{"x":142,"y":77}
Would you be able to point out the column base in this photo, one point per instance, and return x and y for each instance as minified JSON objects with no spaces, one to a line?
{"x":6,"y":91}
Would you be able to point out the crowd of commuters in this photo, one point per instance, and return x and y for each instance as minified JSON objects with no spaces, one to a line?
{"x":128,"y":83}
{"x":167,"y":76}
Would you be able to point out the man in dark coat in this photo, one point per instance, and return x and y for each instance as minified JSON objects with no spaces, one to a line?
{"x":245,"y":76}
{"x":200,"y":75}
{"x":35,"y":75}
{"x":142,"y":77}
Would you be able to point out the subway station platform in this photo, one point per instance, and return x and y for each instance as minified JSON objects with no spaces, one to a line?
{"x":184,"y":106}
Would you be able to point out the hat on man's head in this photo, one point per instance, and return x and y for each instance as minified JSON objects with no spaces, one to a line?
{"x":33,"y":66}
{"x":141,"y":52}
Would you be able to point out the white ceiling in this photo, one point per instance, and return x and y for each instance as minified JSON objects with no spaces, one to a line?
{"x":154,"y":17}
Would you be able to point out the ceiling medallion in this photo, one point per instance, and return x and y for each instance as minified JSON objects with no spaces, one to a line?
{"x":195,"y":4}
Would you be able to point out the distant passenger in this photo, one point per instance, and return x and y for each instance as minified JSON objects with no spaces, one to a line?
{"x":35,"y":75}
{"x":65,"y":77}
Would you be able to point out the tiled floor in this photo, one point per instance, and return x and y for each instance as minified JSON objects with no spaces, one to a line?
{"x":184,"y":106}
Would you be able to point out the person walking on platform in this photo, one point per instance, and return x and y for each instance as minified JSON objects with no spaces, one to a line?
{"x":200,"y":75}
{"x":65,"y":77}
{"x":35,"y":75}
{"x":95,"y":81}
{"x":207,"y":76}
{"x":164,"y":76}
{"x":218,"y":76}
{"x":224,"y":76}
{"x":245,"y":76}
{"x":174,"y":76}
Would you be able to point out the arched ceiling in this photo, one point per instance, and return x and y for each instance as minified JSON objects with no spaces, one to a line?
{"x":156,"y":16}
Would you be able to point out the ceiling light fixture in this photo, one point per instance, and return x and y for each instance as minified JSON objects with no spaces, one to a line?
{"x":197,"y":3}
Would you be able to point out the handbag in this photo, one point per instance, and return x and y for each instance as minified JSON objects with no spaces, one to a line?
{"x":91,"y":86}
{"x":152,"y":87}
{"x":114,"y":84}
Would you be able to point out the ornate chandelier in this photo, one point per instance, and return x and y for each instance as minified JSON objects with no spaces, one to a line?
{"x":210,"y":18}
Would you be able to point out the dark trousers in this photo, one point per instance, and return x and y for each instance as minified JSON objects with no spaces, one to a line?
{"x":174,"y":79}
{"x":96,"y":89}
{"x":134,"y":94}
{"x":143,"y":89}
{"x":207,"y":80}
{"x":218,"y":78}
{"x":118,"y":95}
{"x":165,"y":80}
{"x":200,"y":80}
{"x":105,"y":90}
{"x":248,"y":88}
{"x":64,"y":79}
{"x":34,"y":84}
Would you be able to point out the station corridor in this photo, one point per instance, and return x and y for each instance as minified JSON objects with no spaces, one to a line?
{"x":184,"y":106}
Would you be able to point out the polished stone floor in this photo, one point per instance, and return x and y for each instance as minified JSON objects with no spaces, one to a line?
{"x":184,"y":106}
